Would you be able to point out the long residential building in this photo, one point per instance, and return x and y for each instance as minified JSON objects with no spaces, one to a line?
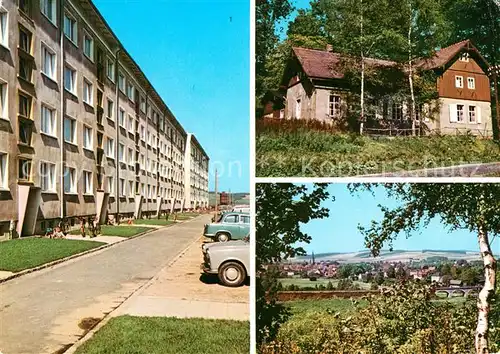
{"x":82,"y":130}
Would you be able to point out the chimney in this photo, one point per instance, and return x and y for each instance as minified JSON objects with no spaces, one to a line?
{"x":329,"y":48}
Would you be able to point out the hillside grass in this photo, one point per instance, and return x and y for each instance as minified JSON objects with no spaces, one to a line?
{"x":310,"y":153}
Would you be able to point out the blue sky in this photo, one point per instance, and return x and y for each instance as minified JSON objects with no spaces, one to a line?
{"x":196,"y":53}
{"x":339,"y":233}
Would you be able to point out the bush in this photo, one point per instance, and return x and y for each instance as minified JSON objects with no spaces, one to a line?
{"x":403,"y":320}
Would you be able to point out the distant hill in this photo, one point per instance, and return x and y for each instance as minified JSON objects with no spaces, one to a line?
{"x":394,"y":256}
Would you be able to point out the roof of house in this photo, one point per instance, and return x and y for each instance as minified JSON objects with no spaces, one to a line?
{"x":322,"y":64}
{"x":326,"y":65}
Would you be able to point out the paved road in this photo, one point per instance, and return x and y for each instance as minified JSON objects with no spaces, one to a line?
{"x":469,"y":170}
{"x":179,"y":291}
{"x":41,"y":312}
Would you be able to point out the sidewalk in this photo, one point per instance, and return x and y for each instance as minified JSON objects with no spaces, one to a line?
{"x":180,"y":291}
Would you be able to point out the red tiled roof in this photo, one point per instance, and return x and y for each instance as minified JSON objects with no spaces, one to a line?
{"x":326,"y":65}
{"x":442,"y":56}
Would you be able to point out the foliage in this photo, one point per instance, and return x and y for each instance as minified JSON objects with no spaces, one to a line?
{"x":404,"y":320}
{"x":281,"y":208}
{"x":309,"y":153}
{"x":155,"y":335}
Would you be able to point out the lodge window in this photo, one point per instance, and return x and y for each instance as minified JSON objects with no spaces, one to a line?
{"x":464,"y":57}
{"x":472,"y":114}
{"x":471,"y":83}
{"x":459,"y":81}
{"x":334,"y":106}
{"x":460,"y":112}
{"x":397,"y":111}
{"x":24,"y":169}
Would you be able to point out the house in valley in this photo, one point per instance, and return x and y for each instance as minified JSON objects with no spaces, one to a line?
{"x":314,"y":86}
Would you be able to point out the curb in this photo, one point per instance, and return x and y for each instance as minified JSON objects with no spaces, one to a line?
{"x":62,"y":260}
{"x":109,"y":316}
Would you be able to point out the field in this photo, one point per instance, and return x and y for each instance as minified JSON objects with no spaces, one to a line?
{"x":303,"y":283}
{"x":344,"y":306}
{"x":309,"y":153}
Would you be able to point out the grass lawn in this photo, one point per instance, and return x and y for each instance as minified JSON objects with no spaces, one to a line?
{"x":324,"y":154}
{"x":186,"y":216}
{"x":20,"y":254}
{"x":160,"y":222}
{"x":344,"y":306}
{"x":160,"y":335}
{"x":122,"y":231}
{"x":303,"y":283}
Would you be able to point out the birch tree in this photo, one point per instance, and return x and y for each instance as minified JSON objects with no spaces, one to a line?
{"x":473,"y":207}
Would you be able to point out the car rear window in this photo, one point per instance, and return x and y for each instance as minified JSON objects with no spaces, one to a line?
{"x":245,"y":219}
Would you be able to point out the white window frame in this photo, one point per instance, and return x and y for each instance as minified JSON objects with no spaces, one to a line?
{"x":74,"y":78}
{"x":459,"y":81}
{"x":72,"y":180}
{"x":88,"y":182}
{"x":110,"y":75}
{"x":111,"y":185}
{"x":53,"y":9}
{"x":121,"y":118}
{"x":90,"y":145}
{"x":121,"y":186}
{"x":52,"y":124}
{"x":74,"y":130}
{"x":471,"y":83}
{"x":121,"y":153}
{"x":110,"y":155}
{"x":131,"y":124}
{"x":4,"y":100}
{"x":122,"y":87}
{"x":112,"y":117}
{"x":334,"y":106}
{"x":4,"y":27}
{"x":464,"y":57}
{"x":131,"y":189}
{"x":4,"y":171}
{"x":130,"y":91}
{"x":472,"y":113}
{"x":462,"y":111}
{"x":45,"y":49}
{"x":90,"y":55}
{"x":131,"y":154}
{"x":88,"y":90}
{"x":74,"y":28}
{"x":47,"y":177}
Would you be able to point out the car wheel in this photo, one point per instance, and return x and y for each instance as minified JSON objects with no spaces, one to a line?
{"x":223,"y":237}
{"x":232,"y":274}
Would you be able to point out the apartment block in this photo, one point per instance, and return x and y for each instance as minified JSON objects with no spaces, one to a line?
{"x":82,"y":130}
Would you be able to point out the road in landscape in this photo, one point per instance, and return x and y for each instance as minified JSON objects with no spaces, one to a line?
{"x":41,"y":312}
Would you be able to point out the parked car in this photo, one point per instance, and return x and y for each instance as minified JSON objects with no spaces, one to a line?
{"x":242,"y":208}
{"x":230,"y":226}
{"x":229,"y":260}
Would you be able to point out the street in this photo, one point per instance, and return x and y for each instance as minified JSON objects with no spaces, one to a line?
{"x":41,"y":312}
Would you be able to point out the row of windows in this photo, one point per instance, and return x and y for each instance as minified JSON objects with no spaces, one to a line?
{"x":48,"y":64}
{"x":460,"y":113}
{"x":459,"y":82}
{"x":48,"y":184}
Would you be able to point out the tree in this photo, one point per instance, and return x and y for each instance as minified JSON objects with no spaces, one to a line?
{"x":281,"y":209}
{"x":459,"y":206}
